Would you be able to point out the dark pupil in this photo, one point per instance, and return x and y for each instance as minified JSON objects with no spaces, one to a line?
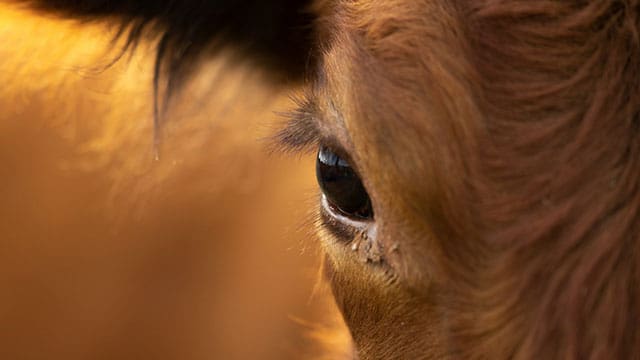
{"x":341,"y":185}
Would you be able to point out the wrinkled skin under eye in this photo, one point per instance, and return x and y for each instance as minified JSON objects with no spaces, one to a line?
{"x":341,"y":186}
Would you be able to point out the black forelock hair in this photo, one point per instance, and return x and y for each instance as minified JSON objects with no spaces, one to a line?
{"x":276,"y":34}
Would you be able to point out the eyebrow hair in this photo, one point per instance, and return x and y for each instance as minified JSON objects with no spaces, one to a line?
{"x":302,"y":131}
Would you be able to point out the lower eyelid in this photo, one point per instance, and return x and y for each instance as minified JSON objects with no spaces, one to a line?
{"x":341,"y":226}
{"x":353,"y":236}
{"x":341,"y":231}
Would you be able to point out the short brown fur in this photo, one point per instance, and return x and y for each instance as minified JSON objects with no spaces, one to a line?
{"x":502,"y":159}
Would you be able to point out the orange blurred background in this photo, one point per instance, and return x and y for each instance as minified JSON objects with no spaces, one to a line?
{"x":105,"y":253}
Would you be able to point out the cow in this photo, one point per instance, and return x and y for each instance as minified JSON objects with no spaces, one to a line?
{"x":477,"y":160}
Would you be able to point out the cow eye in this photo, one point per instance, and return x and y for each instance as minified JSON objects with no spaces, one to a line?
{"x":341,"y":186}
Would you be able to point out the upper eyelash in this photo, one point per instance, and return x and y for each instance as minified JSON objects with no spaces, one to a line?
{"x":301,"y":130}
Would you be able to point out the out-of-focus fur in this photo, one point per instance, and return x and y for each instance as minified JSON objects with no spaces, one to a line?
{"x":276,"y":34}
{"x":110,"y":254}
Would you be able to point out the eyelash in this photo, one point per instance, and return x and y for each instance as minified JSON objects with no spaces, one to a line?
{"x":299,"y":134}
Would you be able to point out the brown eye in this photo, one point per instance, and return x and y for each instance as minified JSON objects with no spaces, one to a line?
{"x":342,"y":186}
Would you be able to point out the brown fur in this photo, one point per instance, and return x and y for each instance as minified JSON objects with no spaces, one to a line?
{"x":498,"y":142}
